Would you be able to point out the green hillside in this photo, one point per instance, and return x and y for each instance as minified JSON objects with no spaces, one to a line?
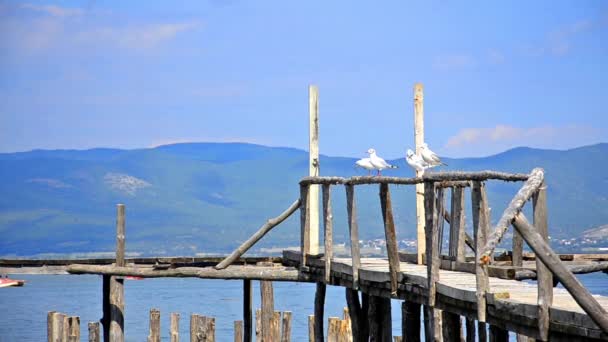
{"x":209,"y":197}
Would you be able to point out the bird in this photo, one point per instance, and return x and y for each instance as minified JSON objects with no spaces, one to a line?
{"x":365,"y":163}
{"x":415,"y":162}
{"x":430,"y":157}
{"x":378,"y":163}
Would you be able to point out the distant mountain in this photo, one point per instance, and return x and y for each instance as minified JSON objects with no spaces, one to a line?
{"x":209,"y":197}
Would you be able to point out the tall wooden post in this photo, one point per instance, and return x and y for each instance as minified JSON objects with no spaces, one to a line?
{"x":313,"y":167}
{"x":267,"y":309}
{"x":419,"y":140}
{"x":117,"y":303}
{"x":247,"y":310}
{"x":544,"y":275}
{"x":319,"y":311}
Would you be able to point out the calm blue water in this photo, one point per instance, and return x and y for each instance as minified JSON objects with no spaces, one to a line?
{"x":23,"y":310}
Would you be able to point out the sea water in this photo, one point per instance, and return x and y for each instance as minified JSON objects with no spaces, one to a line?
{"x":23,"y":310}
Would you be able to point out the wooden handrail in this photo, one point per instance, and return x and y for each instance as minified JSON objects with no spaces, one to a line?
{"x":531,"y":186}
{"x":271,"y":223}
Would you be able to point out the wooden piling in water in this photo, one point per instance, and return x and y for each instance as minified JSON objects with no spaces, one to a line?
{"x":379,"y":315}
{"x":481,"y":226}
{"x":498,"y":334}
{"x":247,"y":310}
{"x":93,"y":332}
{"x":202,"y":328}
{"x":471,"y":329}
{"x":410,"y":321}
{"x":258,"y":325}
{"x":238,"y":331}
{"x":359,"y":323}
{"x":451,"y":327}
{"x":74,"y":329}
{"x":154,"y":333}
{"x":174,"y":329}
{"x":543,"y":274}
{"x":433,"y":205}
{"x":267,"y":309}
{"x":311,"y":328}
{"x":333,"y":329}
{"x":117,"y":303}
{"x":319,"y":312}
{"x":286,"y":327}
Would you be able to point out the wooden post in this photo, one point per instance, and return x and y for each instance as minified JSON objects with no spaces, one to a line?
{"x":238,"y":331}
{"x":328,"y":227}
{"x":49,"y":326}
{"x":358,"y":323}
{"x":258,"y":325}
{"x":470,"y":322}
{"x":391,"y":236}
{"x":457,"y":224}
{"x":498,"y":335}
{"x":452,"y":327}
{"x":66,"y":329}
{"x":267,"y":309}
{"x":55,"y":326}
{"x":419,"y":140}
{"x":74,"y":329}
{"x":379,"y":315}
{"x":286,"y":334}
{"x":482,"y":331}
{"x":304,"y":224}
{"x":333,"y":329}
{"x":174,"y":332}
{"x":94,"y":332}
{"x":193,"y":327}
{"x":247,"y":310}
{"x":319,"y":312}
{"x":208,"y":324}
{"x":313,"y":168}
{"x":432,"y":206}
{"x":276,"y":326}
{"x":105,"y":303}
{"x":543,"y":274}
{"x":397,"y":339}
{"x":311,"y":328}
{"x":481,"y":226}
{"x":154,"y":334}
{"x":117,"y":303}
{"x":410,"y":321}
{"x":518,"y":249}
{"x":353,"y":228}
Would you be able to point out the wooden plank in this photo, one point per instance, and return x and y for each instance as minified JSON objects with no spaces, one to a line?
{"x":410,"y":321}
{"x":247,"y":310}
{"x":328,"y":227}
{"x":451,"y":327}
{"x":481,"y":225}
{"x":238,"y":331}
{"x":353,"y":228}
{"x":418,"y":141}
{"x":390,"y":235}
{"x":304,"y":224}
{"x":271,"y":223}
{"x":94,"y":332}
{"x":154,"y":332}
{"x":174,"y":328}
{"x":543,"y":274}
{"x":286,"y":327}
{"x":580,"y":294}
{"x":319,"y":312}
{"x":267,"y":294}
{"x":313,"y":168}
{"x":457,"y":225}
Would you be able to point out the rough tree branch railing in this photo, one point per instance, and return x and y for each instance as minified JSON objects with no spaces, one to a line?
{"x":271,"y":223}
{"x":531,"y":186}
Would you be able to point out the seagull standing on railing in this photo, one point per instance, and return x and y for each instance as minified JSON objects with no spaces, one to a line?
{"x":378,"y":163}
{"x":430,"y":157}
{"x":365,"y":163}
{"x":416,"y":162}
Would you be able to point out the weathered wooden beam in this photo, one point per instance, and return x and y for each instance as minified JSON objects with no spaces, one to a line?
{"x":313,"y":169}
{"x":286,"y":327}
{"x":517,"y":249}
{"x":358,"y":324}
{"x":428,"y":177}
{"x":271,"y":223}
{"x":544,"y":275}
{"x":451,"y":327}
{"x":174,"y":328}
{"x":117,"y":292}
{"x":304,"y":224}
{"x":328,"y":227}
{"x":247,"y":310}
{"x":432,"y":207}
{"x":419,"y":141}
{"x":319,"y":312}
{"x":154,"y":333}
{"x":94,"y":332}
{"x":530,"y":187}
{"x":238,"y":331}
{"x":353,"y":228}
{"x":274,"y":273}
{"x":580,"y":294}
{"x":391,"y":237}
{"x":267,"y":295}
{"x":481,"y":224}
{"x":457,"y":225}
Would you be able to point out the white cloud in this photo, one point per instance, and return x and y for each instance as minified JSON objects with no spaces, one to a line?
{"x":483,"y":141}
{"x":55,"y":11}
{"x":453,"y":62}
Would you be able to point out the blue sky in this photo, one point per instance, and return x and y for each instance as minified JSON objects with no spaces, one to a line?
{"x":143,"y":73}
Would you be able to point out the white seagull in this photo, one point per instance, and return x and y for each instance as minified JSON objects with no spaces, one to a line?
{"x":378,"y":163}
{"x":365,"y":163}
{"x":430,"y":157}
{"x":415,"y":162}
